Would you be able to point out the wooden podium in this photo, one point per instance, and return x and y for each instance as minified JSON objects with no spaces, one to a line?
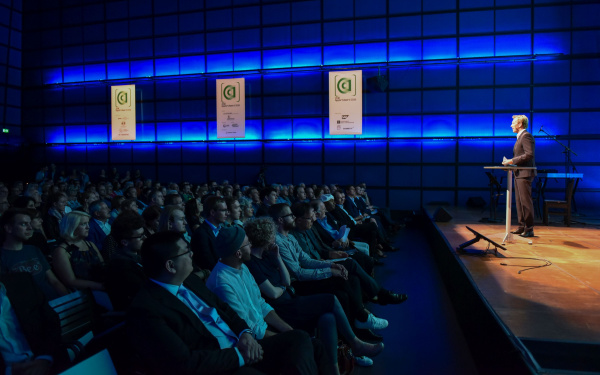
{"x":509,"y":169}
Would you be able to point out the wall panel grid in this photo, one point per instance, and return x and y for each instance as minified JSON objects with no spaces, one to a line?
{"x":457,"y":71}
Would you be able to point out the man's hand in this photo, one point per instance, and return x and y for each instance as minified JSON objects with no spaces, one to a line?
{"x":35,"y":367}
{"x":250,"y":349}
{"x":338,"y":273}
{"x":275,"y":249}
{"x":507,"y":161}
{"x":337,"y":254}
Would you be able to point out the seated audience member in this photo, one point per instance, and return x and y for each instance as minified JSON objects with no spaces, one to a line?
{"x":193,"y":213}
{"x":300,"y":194}
{"x":89,"y":195}
{"x":16,"y":190}
{"x":16,"y":256}
{"x":186,"y":192}
{"x":172,"y":333}
{"x":115,"y":203}
{"x":227,"y":191}
{"x":235,"y":212}
{"x":368,"y":231}
{"x":203,"y":239}
{"x":284,"y":195}
{"x":103,"y":193}
{"x":124,"y":273}
{"x":54,"y":214}
{"x":38,"y":239}
{"x":313,"y":246}
{"x":99,"y":226}
{"x":173,"y":219}
{"x":151,"y":216}
{"x":254,"y":196}
{"x":24,"y":202}
{"x":353,"y":210}
{"x":130,"y":204}
{"x":247,"y":210}
{"x":30,"y":329}
{"x":131,"y":193}
{"x":4,"y":204}
{"x":157,"y":199}
{"x":76,"y":261}
{"x":72,"y":197}
{"x":304,"y":312}
{"x":382,"y":214}
{"x":331,"y":232}
{"x":313,"y":275}
{"x":310,"y":193}
{"x":268,"y":197}
{"x":174,"y":200}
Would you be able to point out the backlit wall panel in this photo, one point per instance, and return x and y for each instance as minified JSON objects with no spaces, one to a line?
{"x":426,"y":137}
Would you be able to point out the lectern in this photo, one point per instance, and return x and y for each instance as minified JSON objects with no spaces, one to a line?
{"x":509,"y":181}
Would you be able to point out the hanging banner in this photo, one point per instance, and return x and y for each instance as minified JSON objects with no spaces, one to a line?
{"x":122,"y":102}
{"x":345,"y":102}
{"x":231,"y":108}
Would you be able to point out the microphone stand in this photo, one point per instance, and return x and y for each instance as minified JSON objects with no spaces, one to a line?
{"x":567,"y":151}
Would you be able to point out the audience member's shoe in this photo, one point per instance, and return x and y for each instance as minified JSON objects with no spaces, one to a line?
{"x":388,"y":297}
{"x":366,"y":349}
{"x":363,"y":361}
{"x":518,"y":231}
{"x":527,"y":234}
{"x":368,"y":335}
{"x":372,"y":322}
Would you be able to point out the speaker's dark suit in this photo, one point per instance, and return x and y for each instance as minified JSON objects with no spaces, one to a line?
{"x":524,"y":156}
{"x":170,"y":339}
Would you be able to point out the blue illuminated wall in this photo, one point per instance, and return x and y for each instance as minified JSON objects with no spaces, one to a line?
{"x":442,"y":118}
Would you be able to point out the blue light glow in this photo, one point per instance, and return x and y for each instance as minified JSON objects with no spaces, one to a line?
{"x":193,"y":130}
{"x":54,"y":134}
{"x":97,"y":133}
{"x":142,"y":68}
{"x":439,"y":48}
{"x":73,"y":74}
{"x":308,"y":128}
{"x":191,"y":64}
{"x":405,"y":51}
{"x":548,"y":43}
{"x":222,"y":62}
{"x":53,"y":75}
{"x":510,"y":45}
{"x":75,"y":134}
{"x":475,"y":125}
{"x":333,"y":55}
{"x":278,"y":129}
{"x":117,"y":70}
{"x":273,"y":59}
{"x":476,"y":46}
{"x":246,"y":60}
{"x":95,"y":72}
{"x":310,"y":56}
{"x":167,"y":67}
{"x":371,"y":52}
{"x":439,"y":126}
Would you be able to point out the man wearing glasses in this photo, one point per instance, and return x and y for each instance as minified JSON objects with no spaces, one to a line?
{"x":124,"y":273}
{"x":178,"y":326}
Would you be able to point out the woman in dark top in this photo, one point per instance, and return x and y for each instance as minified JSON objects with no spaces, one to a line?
{"x":55,"y":211}
{"x":321,"y":311}
{"x":77,"y":262}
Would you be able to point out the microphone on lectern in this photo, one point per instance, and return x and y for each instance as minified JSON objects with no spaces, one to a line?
{"x":541,"y":128}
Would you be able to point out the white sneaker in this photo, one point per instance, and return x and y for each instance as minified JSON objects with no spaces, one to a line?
{"x":364,"y":361}
{"x":372,"y":322}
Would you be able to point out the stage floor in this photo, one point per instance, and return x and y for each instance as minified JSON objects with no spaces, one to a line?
{"x":560,"y":302}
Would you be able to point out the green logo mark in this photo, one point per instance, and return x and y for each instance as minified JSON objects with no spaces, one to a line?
{"x":122,"y":97}
{"x":344,"y":85}
{"x":229,"y":92}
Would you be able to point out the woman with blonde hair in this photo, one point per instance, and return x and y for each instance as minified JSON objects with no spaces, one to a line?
{"x":76,"y":261}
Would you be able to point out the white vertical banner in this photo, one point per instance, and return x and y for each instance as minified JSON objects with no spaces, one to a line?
{"x":231,"y":108}
{"x":345,"y":102}
{"x":122,"y":102}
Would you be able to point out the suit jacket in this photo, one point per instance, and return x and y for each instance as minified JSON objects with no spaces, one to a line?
{"x":39,"y":322}
{"x":96,"y":234}
{"x":123,"y":279}
{"x":171,"y":339}
{"x":203,"y":246}
{"x":524,"y":155}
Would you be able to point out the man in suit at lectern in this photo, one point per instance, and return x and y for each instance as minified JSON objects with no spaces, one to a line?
{"x":523,"y":156}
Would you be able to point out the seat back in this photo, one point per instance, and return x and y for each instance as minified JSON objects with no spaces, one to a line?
{"x":76,"y":313}
{"x":98,"y":364}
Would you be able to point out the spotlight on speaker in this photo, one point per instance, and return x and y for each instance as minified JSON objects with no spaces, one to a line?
{"x":479,"y":236}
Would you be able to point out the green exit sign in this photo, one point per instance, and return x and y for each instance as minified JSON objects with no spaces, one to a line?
{"x":5,"y":130}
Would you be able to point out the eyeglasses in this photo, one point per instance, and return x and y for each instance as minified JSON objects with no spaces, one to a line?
{"x":143,"y":235}
{"x":182,"y":254}
{"x":248,"y":244}
{"x":292,"y":215}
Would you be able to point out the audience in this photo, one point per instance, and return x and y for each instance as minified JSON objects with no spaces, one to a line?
{"x":171,"y":333}
{"x":299,"y":272}
{"x":77,"y":262}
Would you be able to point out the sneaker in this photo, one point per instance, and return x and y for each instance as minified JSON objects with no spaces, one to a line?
{"x":372,"y":322}
{"x":364,"y":361}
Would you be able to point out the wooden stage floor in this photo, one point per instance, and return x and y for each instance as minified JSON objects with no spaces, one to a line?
{"x":560,"y":302}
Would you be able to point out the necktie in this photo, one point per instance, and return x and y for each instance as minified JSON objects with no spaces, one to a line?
{"x":210,"y":317}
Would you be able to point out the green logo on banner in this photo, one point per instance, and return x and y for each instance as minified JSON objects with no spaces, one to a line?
{"x":229,"y":92}
{"x":122,"y":97}
{"x":344,"y":85}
